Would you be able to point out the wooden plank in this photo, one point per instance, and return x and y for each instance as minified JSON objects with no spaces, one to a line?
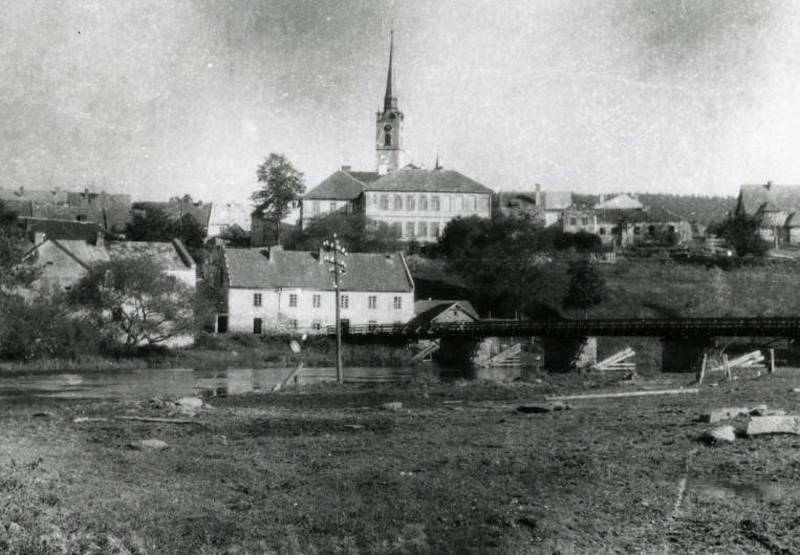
{"x":622,"y":394}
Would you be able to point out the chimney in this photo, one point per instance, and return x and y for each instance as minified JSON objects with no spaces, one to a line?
{"x":346,"y":168}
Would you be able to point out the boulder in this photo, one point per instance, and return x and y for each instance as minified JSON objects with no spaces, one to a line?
{"x":773,"y":425}
{"x":538,"y":408}
{"x":721,"y":434}
{"x":394,"y":405}
{"x":718,"y":415}
{"x":156,"y":444}
{"x":190,"y":402}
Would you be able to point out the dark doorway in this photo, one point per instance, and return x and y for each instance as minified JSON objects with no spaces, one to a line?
{"x":222,"y":324}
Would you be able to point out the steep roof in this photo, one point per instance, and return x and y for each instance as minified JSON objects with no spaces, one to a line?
{"x":276,"y":268}
{"x":340,"y":185}
{"x":170,"y":256}
{"x":426,"y":311}
{"x":433,"y":181}
{"x":83,"y":252}
{"x":62,"y":229}
{"x":768,"y":197}
{"x":619,"y":202}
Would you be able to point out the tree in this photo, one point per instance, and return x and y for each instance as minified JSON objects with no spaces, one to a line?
{"x":358,"y":232}
{"x":586,"y":286}
{"x":149,"y":224}
{"x":741,"y":232}
{"x":15,"y":271}
{"x":282,"y":184}
{"x":235,"y":236}
{"x":135,"y":301}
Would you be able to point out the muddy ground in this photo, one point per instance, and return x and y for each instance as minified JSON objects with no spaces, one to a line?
{"x":456,"y":470}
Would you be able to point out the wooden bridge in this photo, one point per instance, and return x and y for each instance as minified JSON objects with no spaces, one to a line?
{"x":689,"y":328}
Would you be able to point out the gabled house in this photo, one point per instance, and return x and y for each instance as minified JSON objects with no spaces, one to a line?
{"x":443,"y":312}
{"x":63,"y":262}
{"x":777,"y":207}
{"x":273,"y":289}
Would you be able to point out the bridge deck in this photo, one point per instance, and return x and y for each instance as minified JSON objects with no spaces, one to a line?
{"x":633,"y":327}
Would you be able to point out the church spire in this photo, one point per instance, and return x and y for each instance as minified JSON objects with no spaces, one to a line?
{"x":390,"y":101}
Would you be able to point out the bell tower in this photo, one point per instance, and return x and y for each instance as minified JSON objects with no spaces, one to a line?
{"x":389,"y":126}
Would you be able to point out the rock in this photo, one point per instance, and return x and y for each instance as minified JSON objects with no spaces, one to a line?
{"x":721,"y":434}
{"x":42,"y":414}
{"x":718,"y":415}
{"x":537,"y":408}
{"x":14,"y":529}
{"x":116,"y":546}
{"x":81,"y":419}
{"x":190,"y":402}
{"x":762,"y":410}
{"x":154,"y":444}
{"x":394,"y":405}
{"x":354,"y":426}
{"x":773,"y":425}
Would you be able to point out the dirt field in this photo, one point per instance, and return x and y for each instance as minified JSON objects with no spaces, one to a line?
{"x":456,"y":470}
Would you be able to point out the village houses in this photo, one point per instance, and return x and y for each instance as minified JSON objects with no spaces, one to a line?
{"x":275,"y":290}
{"x":777,"y":208}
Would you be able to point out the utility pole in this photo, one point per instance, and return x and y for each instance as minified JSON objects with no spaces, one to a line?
{"x":338,"y":268}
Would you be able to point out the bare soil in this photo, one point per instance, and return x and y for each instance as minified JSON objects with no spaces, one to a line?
{"x":456,"y":470}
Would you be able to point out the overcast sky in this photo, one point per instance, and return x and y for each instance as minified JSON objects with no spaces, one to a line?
{"x":159,"y":98}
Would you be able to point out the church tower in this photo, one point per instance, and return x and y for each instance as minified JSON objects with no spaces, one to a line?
{"x":389,"y":126}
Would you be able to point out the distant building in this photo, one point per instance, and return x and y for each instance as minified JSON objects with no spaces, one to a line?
{"x":225,"y":215}
{"x":277,"y":290}
{"x":778,"y":209}
{"x":63,"y":262}
{"x":544,"y":206}
{"x":417,"y":202}
{"x":177,"y":209}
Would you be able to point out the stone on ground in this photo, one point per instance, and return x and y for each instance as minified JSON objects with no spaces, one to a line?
{"x":722,"y":434}
{"x":154,"y":444}
{"x":538,"y":408}
{"x":394,"y":405}
{"x":718,"y":415}
{"x":190,"y":402}
{"x":773,"y":425}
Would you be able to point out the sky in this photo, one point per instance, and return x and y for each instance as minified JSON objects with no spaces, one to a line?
{"x":158,"y":98}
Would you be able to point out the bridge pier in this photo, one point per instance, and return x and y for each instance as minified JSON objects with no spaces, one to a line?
{"x":682,"y":354}
{"x":563,"y":354}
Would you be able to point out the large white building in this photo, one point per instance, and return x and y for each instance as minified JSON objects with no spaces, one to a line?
{"x":417,"y":202}
{"x":277,"y":290}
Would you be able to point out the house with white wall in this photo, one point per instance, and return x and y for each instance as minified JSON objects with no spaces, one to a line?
{"x":286,"y":291}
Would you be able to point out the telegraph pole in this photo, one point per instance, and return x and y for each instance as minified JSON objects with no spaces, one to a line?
{"x":338,"y":268}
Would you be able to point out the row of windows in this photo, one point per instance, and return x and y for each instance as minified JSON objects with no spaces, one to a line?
{"x":423,"y":203}
{"x":316,"y":206}
{"x":344,"y":301}
{"x":412,"y":230}
{"x":316,"y":325}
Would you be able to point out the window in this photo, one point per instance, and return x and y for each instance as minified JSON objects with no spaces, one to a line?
{"x":422,"y":229}
{"x":584,"y":221}
{"x":372,"y":325}
{"x":387,"y":139}
{"x":293,"y":300}
{"x":316,"y":301}
{"x":384,"y":202}
{"x":256,"y":299}
{"x":397,"y":229}
{"x":636,"y":230}
{"x":316,"y":325}
{"x":410,"y":202}
{"x":257,"y":326}
{"x":423,"y":202}
{"x":398,"y":202}
{"x":435,"y":205}
{"x":292,"y":324}
{"x":409,"y":230}
{"x":315,"y":207}
{"x":457,"y":203}
{"x":372,"y":198}
{"x":483,"y":202}
{"x":344,"y":301}
{"x":398,"y":303}
{"x":331,"y":207}
{"x":573,"y":221}
{"x":474,"y":202}
{"x":372,"y":302}
{"x":435,"y":229}
{"x":602,"y":231}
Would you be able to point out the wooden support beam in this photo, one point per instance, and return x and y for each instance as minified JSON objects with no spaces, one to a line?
{"x":702,"y":373}
{"x":772,"y":361}
{"x":622,"y":394}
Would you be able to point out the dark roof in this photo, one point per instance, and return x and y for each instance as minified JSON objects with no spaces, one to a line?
{"x":365,"y":177}
{"x":340,"y":185}
{"x":427,"y":311}
{"x":754,"y":198}
{"x":62,"y":229}
{"x":170,"y":256}
{"x":177,"y":209}
{"x":269,"y":269}
{"x":433,"y":181}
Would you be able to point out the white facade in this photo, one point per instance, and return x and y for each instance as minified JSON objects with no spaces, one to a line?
{"x":423,"y":216}
{"x":312,"y":208}
{"x":312,"y":310}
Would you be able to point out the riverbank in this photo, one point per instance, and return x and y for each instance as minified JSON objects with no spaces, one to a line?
{"x":453,"y":469}
{"x":238,"y":350}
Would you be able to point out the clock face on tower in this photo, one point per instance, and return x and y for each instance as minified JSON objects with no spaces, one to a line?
{"x":387,"y":127}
